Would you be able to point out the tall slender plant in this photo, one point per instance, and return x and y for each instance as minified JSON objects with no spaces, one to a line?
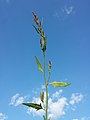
{"x":43,"y":44}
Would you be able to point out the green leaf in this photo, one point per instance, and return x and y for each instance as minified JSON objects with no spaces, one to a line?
{"x":33,"y":105}
{"x":39,"y":64}
{"x":37,"y":30}
{"x":60,"y":84}
{"x":42,"y":96}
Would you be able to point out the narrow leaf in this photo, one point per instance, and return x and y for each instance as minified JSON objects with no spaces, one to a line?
{"x":35,"y":18}
{"x":42,"y":96}
{"x":36,"y":29}
{"x":33,"y":105}
{"x":39,"y":64}
{"x":60,"y":84}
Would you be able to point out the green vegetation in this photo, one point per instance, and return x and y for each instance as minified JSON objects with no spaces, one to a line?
{"x":43,"y":44}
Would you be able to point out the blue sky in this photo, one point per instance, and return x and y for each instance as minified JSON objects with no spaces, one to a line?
{"x":66,"y":24}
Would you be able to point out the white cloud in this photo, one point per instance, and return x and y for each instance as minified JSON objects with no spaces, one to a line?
{"x":34,"y":112}
{"x":64,"y":12}
{"x":56,"y":109}
{"x":76,"y":98}
{"x":17,"y":99}
{"x":57,"y":94}
{"x":68,"y":10}
{"x":3,"y":116}
{"x":13,"y":99}
{"x":56,"y":106}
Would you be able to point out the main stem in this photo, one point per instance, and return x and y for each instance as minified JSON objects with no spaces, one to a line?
{"x":47,"y":101}
{"x":46,"y":85}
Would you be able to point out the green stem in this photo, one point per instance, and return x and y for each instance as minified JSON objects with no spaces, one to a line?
{"x":46,"y":84}
{"x":47,"y":101}
{"x":49,"y":77}
{"x":44,"y":68}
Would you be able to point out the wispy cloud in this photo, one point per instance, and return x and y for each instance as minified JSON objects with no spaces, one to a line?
{"x":68,"y":9}
{"x":64,"y":12}
{"x":57,"y":94}
{"x":76,"y":98}
{"x":82,"y":118}
{"x":17,"y":99}
{"x":56,"y":14}
{"x":3,"y":116}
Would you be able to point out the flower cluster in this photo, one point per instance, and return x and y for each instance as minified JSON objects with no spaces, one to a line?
{"x":40,"y":31}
